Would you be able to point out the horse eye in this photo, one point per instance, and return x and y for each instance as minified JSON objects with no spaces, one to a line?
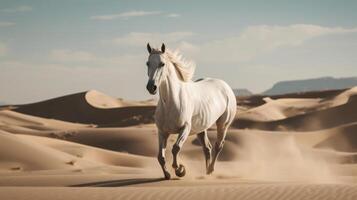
{"x":162,"y":64}
{"x":147,"y":64}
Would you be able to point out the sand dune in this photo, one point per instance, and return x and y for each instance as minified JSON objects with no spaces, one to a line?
{"x":9,"y":119}
{"x":279,"y":146}
{"x":100,"y":100}
{"x":92,"y":107}
{"x":40,"y":153}
{"x":258,"y":100}
{"x":16,"y":154}
{"x":307,"y":118}
{"x":279,"y":109}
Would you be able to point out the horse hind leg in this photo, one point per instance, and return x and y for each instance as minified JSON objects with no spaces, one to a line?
{"x":206,"y":147}
{"x":218,"y":146}
{"x":222,"y":126}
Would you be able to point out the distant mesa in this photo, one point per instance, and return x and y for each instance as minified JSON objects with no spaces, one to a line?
{"x":240,"y":92}
{"x":316,"y":84}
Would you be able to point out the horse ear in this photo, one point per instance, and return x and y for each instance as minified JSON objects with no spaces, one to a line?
{"x":148,"y":47}
{"x":163,"y":48}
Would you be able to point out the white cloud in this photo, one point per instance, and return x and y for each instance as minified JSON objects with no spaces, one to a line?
{"x":126,"y":15}
{"x":188,"y":49}
{"x":23,"y":8}
{"x":83,"y":58}
{"x":173,"y":15}
{"x":3,"y":49}
{"x":121,"y":76}
{"x":140,"y":39}
{"x":66,"y":55}
{"x":71,"y":71}
{"x":5,"y":24}
{"x":124,"y":60}
{"x":256,"y":40}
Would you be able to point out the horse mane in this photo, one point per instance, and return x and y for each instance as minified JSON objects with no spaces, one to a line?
{"x":185,"y":68}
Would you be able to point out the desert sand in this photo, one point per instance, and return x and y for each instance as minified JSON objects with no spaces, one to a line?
{"x":93,"y":146}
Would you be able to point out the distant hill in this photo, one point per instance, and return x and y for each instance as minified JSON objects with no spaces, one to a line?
{"x":316,"y":84}
{"x":242,"y":92}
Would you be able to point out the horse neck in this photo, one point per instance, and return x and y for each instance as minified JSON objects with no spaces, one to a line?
{"x":169,"y":89}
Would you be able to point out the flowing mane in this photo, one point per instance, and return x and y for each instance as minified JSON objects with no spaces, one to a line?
{"x":185,"y":68}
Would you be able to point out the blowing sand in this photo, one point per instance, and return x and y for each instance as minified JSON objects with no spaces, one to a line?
{"x":92,"y":146}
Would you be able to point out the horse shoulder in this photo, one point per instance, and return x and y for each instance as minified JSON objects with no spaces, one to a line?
{"x":171,"y":116}
{"x":158,"y":115}
{"x":185,"y":106}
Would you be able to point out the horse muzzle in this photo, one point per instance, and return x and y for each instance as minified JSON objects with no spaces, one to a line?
{"x":151,"y":87}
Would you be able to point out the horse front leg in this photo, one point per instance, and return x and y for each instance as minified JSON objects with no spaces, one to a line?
{"x":183,"y":134}
{"x":161,"y":155}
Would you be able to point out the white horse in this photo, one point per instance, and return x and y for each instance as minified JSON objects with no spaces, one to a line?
{"x":186,"y":107}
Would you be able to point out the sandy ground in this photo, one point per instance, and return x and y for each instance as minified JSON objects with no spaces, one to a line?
{"x":92,"y":146}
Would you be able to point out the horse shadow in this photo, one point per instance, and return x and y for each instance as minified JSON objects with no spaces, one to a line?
{"x":120,"y":183}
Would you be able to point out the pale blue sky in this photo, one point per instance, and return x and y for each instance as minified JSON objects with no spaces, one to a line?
{"x":51,"y":48}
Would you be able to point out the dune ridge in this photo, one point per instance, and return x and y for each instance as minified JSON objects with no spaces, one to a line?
{"x":92,"y":107}
{"x":308,"y":119}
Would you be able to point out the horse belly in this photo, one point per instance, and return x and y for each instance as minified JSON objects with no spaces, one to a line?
{"x":205,"y":119}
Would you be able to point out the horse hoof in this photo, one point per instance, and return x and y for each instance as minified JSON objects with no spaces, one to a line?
{"x":209,"y":170}
{"x":180,"y":171}
{"x":167,"y":175}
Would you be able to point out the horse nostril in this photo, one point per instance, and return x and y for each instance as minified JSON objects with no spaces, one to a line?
{"x":151,"y":87}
